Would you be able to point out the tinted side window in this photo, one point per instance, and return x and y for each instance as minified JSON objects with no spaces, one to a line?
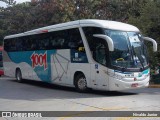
{"x":16,"y":44}
{"x":75,"y":39}
{"x":10,"y":44}
{"x":100,"y":53}
{"x":63,"y":39}
{"x":78,"y":54}
{"x":37,"y":42}
{"x":58,"y":39}
{"x":89,"y":31}
{"x":19,"y":44}
{"x":6,"y":45}
{"x":98,"y":46}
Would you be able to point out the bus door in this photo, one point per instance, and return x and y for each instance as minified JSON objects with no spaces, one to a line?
{"x":99,"y":69}
{"x":99,"y":76}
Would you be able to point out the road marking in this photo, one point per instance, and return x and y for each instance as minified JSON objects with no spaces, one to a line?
{"x":92,"y":108}
{"x":123,"y":118}
{"x":73,"y":115}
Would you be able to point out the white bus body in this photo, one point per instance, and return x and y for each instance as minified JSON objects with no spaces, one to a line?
{"x":97,"y":54}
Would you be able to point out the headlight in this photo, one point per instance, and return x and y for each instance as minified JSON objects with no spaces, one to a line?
{"x":115,"y":75}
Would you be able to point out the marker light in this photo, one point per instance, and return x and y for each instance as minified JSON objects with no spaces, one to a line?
{"x":44,"y":31}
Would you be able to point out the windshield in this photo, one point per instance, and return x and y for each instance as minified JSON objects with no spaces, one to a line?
{"x":129,"y":50}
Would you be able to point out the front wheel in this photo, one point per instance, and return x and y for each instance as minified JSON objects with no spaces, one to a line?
{"x":19,"y":75}
{"x":81,"y":83}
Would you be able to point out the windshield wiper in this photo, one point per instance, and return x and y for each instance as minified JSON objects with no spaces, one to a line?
{"x":139,"y":57}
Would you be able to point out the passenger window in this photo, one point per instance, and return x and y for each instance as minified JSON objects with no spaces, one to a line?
{"x":63,"y":39}
{"x":100,"y":51}
{"x":98,"y":46}
{"x":75,"y":41}
{"x":58,"y":39}
{"x":89,"y":31}
{"x":7,"y":45}
{"x":13,"y":44}
{"x":19,"y":44}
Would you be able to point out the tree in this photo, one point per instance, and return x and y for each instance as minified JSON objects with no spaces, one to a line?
{"x":9,"y":2}
{"x":149,"y":23}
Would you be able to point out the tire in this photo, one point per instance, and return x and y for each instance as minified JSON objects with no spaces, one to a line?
{"x":19,"y":76}
{"x":81,"y":83}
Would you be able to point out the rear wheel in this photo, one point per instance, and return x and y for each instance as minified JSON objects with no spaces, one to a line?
{"x":19,"y":75}
{"x":81,"y":83}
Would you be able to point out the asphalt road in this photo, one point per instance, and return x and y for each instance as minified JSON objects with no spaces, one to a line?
{"x":39,"y":96}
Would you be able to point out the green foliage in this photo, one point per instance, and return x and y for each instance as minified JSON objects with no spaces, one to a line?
{"x":144,"y":14}
{"x":148,"y":21}
{"x":9,"y":2}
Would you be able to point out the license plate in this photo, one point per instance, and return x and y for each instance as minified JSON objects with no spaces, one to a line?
{"x":134,"y":85}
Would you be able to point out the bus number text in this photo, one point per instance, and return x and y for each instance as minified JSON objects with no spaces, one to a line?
{"x":39,"y":60}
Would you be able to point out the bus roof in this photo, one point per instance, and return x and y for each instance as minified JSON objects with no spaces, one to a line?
{"x":114,"y":25}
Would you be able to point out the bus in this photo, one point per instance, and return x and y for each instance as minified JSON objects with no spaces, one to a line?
{"x":85,"y":54}
{"x":1,"y":62}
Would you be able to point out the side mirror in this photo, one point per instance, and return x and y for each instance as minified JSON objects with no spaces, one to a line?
{"x":153,"y":42}
{"x":108,"y":39}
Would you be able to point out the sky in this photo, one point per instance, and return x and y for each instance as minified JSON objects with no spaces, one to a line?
{"x":20,"y":1}
{"x":17,"y":1}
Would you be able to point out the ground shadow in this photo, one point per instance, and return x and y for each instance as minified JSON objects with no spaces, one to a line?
{"x":72,"y":89}
{"x":34,"y":90}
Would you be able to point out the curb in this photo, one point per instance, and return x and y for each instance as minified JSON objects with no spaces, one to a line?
{"x":154,"y":86}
